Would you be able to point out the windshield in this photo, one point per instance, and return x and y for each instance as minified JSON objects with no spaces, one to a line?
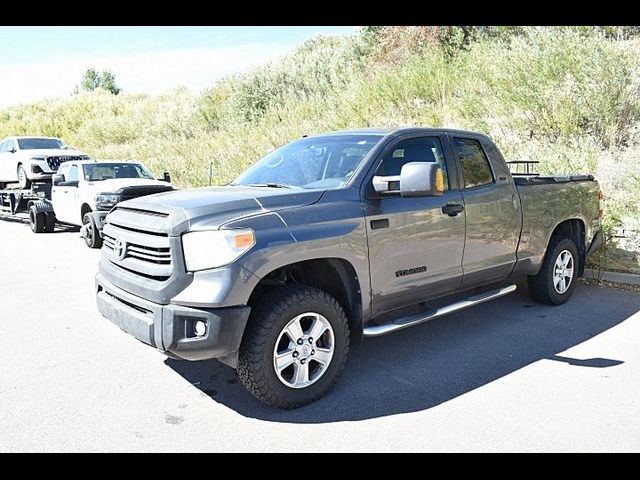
{"x":319,"y":162}
{"x":95,"y":172}
{"x":40,"y":143}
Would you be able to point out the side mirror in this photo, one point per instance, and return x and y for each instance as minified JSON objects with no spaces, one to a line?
{"x":421,"y":179}
{"x":11,"y":149}
{"x":57,"y":179}
{"x":166,"y":177}
{"x":386,"y":184}
{"x":74,"y":183}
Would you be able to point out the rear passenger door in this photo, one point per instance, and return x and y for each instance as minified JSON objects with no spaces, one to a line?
{"x":492,"y":210}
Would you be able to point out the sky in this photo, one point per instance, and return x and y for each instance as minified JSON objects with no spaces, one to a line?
{"x":45,"y":62}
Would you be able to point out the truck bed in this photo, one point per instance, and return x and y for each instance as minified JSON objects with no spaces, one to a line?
{"x":16,"y":200}
{"x":546,"y":201}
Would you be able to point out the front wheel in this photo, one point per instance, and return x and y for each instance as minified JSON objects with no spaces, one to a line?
{"x":295,"y":345}
{"x":556,"y":280}
{"x":23,"y":180}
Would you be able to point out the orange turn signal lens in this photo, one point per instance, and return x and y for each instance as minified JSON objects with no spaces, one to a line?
{"x":439,"y":180}
{"x":243,"y":240}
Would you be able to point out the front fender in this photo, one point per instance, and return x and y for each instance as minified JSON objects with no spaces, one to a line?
{"x":319,"y":231}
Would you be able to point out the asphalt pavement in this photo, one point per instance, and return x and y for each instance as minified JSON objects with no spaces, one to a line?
{"x":508,"y":375}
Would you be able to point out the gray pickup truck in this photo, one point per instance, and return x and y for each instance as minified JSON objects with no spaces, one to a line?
{"x":333,"y":238}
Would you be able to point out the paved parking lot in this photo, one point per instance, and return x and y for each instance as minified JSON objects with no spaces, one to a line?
{"x":507,"y":375}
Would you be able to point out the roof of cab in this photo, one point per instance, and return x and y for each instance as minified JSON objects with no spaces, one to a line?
{"x":381,"y":132}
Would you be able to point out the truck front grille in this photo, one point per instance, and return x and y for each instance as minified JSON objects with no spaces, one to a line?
{"x":55,"y":162}
{"x":161,"y":255}
{"x":138,"y":251}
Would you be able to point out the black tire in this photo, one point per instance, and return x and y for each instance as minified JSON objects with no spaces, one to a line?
{"x":271,"y":314}
{"x":23,"y":180}
{"x":542,"y":286}
{"x":37,"y":220}
{"x":92,"y":237}
{"x":50,"y":222}
{"x":2,"y":185}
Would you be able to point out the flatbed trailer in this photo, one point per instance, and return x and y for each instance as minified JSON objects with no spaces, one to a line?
{"x":32,"y":205}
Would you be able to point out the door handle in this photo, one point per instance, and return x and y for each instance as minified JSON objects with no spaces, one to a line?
{"x":381,"y":223}
{"x":452,"y":209}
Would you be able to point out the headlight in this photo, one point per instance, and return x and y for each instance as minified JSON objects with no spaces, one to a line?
{"x":215,"y":248}
{"x":106,"y":201}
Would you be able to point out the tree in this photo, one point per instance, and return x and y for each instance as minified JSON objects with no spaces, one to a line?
{"x":109,"y":82}
{"x":105,"y":80}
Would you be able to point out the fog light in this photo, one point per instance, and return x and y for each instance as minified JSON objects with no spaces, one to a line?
{"x":200,"y":328}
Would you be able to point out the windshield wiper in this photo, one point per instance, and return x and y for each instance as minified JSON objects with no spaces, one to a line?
{"x":271,"y":185}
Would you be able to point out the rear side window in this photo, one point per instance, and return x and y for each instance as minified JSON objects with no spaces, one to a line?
{"x":475,"y":165}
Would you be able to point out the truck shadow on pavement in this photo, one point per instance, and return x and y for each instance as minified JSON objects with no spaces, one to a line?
{"x":424,"y":366}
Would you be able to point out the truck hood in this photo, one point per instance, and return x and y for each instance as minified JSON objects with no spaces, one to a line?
{"x":114,"y":184}
{"x":211,"y":207}
{"x":51,"y":152}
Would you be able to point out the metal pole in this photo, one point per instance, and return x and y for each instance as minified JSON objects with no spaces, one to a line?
{"x":210,"y":172}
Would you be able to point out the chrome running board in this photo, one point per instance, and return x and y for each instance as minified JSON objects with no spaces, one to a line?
{"x":406,"y":322}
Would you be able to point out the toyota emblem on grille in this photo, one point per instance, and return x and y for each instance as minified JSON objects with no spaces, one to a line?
{"x":120,"y":249}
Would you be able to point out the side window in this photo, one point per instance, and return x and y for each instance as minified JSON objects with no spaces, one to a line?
{"x":10,"y":143}
{"x":73,"y":174}
{"x":426,"y":149}
{"x":475,"y":166}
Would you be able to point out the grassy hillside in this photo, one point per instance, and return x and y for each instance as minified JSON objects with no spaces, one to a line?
{"x":568,"y":97}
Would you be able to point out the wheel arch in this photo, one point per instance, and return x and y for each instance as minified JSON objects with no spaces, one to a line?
{"x":574,"y":229}
{"x":84,"y":209}
{"x":336,"y":276}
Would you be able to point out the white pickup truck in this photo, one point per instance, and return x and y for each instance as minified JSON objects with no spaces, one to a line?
{"x":83,"y":192}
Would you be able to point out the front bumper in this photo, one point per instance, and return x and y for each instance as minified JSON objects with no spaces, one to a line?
{"x":39,"y":170}
{"x":170,"y":328}
{"x":39,"y":176}
{"x":98,"y":218}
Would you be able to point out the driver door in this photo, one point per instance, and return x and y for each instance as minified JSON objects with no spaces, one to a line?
{"x":64,"y":195}
{"x":415,"y":248}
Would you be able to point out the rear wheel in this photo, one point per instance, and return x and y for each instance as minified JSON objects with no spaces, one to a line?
{"x":295,"y":345}
{"x":556,"y":280}
{"x":23,"y":180}
{"x":91,"y":236}
{"x":37,"y":220}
